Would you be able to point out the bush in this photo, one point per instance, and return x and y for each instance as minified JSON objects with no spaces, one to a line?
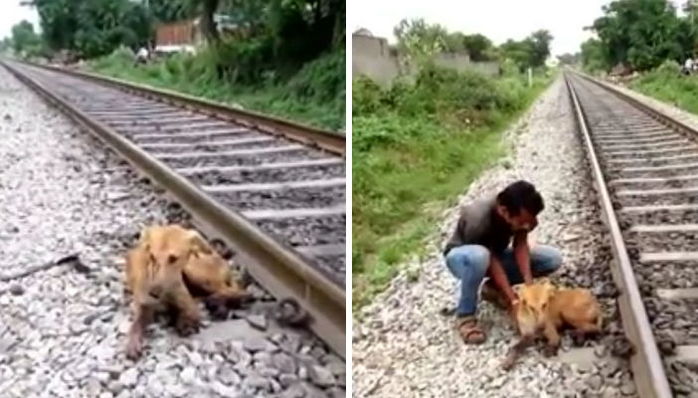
{"x":366,"y":96}
{"x":669,"y":67}
{"x":323,"y":79}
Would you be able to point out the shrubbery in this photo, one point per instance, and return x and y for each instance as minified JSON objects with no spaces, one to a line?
{"x":668,"y":84}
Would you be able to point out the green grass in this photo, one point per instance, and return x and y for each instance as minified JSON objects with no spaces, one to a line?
{"x":667,"y":84}
{"x":315,"y":95}
{"x":415,"y":149}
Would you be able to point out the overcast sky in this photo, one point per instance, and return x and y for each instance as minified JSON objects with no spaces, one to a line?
{"x":497,"y":19}
{"x":11,"y":13}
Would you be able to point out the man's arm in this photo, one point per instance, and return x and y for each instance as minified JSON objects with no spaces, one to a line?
{"x":523,"y":256}
{"x":497,"y":273}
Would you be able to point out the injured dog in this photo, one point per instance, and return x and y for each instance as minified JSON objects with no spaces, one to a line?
{"x":544,"y":308}
{"x":166,"y":263}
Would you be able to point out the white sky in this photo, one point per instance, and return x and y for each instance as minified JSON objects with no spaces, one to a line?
{"x":11,"y":13}
{"x":497,"y":19}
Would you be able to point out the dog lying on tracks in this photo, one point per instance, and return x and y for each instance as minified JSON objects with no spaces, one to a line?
{"x":544,"y":307}
{"x":166,"y":266}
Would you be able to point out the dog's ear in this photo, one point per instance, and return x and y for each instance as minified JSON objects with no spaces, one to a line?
{"x":197,"y":243}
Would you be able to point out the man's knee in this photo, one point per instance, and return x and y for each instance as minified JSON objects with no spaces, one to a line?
{"x":549,"y":259}
{"x":470,"y":256}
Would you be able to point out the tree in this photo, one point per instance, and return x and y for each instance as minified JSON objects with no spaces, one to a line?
{"x":530,"y":52}
{"x":93,"y":27}
{"x":5,"y":44}
{"x":418,"y":40}
{"x":479,"y":47}
{"x":569,"y":59}
{"x":206,"y":9}
{"x":539,"y":47}
{"x":24,"y":39}
{"x":643,"y":33}
{"x":517,"y":51}
{"x":593,"y":55}
{"x":169,"y":10}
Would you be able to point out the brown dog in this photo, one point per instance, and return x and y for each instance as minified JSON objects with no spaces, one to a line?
{"x":545,"y":308}
{"x":168,"y":266}
{"x":154,"y":277}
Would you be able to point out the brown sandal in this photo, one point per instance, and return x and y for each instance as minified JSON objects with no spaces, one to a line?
{"x":469,"y":331}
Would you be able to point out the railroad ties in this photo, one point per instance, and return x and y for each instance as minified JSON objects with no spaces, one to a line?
{"x":646,"y":169}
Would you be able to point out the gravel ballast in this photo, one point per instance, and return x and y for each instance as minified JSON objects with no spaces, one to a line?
{"x":403,"y":345}
{"x":63,"y":328}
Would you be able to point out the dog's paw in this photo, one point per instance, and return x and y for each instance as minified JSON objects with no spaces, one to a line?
{"x":217,"y":308}
{"x":187,"y":325}
{"x":550,"y":351}
{"x":134,"y":348}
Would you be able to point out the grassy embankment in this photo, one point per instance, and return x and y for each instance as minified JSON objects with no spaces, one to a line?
{"x":314,"y":95}
{"x":666,"y":83}
{"x":415,"y":148}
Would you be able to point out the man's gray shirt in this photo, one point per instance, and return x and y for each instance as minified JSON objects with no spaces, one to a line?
{"x":480,"y":224}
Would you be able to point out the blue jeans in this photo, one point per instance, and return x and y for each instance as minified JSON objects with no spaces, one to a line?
{"x":469,"y":263}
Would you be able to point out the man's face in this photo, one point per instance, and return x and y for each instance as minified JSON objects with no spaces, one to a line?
{"x":522,"y":222}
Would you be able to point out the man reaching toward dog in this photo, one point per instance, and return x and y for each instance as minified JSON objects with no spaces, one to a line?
{"x":480,"y":246}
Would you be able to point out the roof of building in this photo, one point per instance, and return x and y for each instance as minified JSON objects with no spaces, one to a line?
{"x":363,"y":32}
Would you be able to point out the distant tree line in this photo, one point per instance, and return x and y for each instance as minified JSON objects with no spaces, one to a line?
{"x":641,"y":34}
{"x":420,"y":40}
{"x":274,"y":33}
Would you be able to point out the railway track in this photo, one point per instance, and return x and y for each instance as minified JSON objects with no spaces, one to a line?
{"x":645,"y":166}
{"x":272,"y":190}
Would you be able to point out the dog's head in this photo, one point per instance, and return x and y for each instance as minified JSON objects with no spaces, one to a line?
{"x":532,"y":310}
{"x":169,"y":249}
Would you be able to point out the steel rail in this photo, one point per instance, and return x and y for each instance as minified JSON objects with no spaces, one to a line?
{"x":646,"y":363}
{"x":656,"y":114}
{"x":307,"y":135}
{"x":284,"y":273}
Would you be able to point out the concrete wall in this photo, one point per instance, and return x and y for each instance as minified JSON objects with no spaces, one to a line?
{"x":372,"y":57}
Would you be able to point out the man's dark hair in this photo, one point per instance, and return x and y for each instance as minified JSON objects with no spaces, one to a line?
{"x":521,"y":195}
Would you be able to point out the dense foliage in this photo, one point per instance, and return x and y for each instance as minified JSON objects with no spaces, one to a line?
{"x":667,"y":84}
{"x":570,"y":59}
{"x":419,"y":41}
{"x":93,"y":27}
{"x":530,"y":52}
{"x":24,"y":40}
{"x":640,"y":34}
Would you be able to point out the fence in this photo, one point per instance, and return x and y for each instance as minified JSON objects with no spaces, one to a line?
{"x":372,"y":57}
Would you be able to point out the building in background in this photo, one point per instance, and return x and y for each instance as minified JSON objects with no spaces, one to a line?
{"x":186,"y":35}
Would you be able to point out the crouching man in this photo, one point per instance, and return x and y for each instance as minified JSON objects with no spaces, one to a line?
{"x":480,"y":246}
